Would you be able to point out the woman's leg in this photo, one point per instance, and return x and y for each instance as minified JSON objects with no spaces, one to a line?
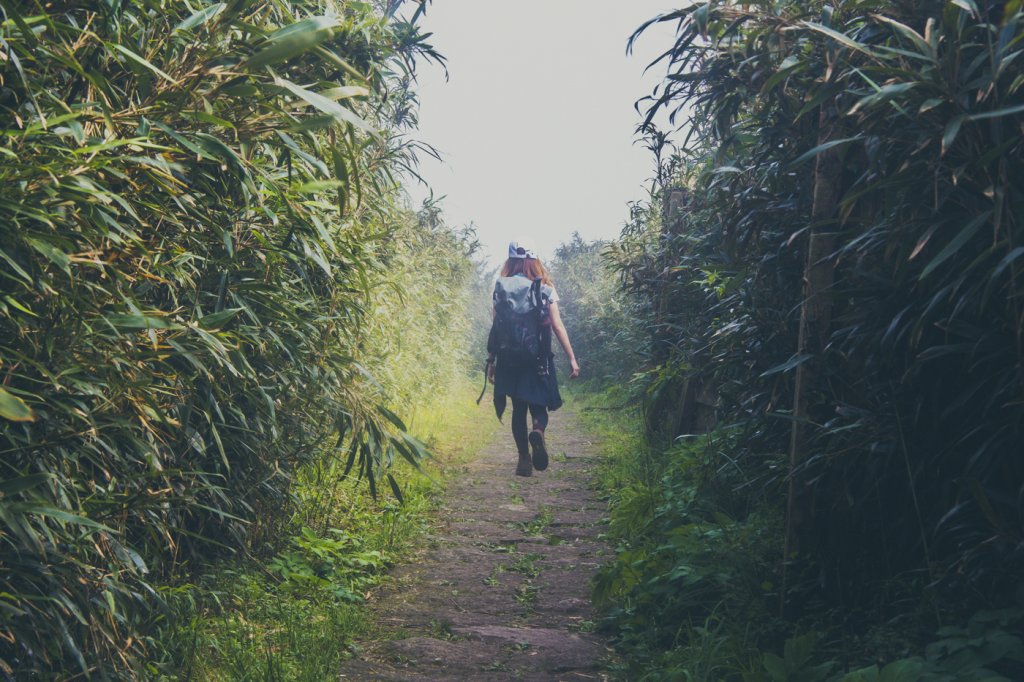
{"x":519,"y":425}
{"x":540,"y":417}
{"x":525,"y":465}
{"x":536,"y":436}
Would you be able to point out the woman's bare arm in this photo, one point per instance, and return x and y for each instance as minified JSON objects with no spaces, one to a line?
{"x":558,"y":328}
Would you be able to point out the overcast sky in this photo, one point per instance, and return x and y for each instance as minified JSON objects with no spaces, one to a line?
{"x":536,"y":123}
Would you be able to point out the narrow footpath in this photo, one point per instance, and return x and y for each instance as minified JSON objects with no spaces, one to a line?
{"x":501,"y":592}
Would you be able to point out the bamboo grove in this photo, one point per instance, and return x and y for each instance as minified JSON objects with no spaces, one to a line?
{"x":200,"y":227}
{"x":829,"y":270}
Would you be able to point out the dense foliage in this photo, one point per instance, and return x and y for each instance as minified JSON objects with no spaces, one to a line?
{"x":890,"y":136}
{"x":199,"y":218}
{"x":597,"y":314}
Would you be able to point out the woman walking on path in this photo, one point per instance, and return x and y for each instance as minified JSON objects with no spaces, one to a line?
{"x":532,"y":386}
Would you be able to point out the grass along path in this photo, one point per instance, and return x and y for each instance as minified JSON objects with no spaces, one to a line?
{"x":500,"y":590}
{"x":245,"y":621}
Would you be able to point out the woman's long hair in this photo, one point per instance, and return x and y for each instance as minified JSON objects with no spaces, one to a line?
{"x":531,"y":267}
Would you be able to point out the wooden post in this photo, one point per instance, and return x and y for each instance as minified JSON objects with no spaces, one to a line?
{"x":815,"y":317}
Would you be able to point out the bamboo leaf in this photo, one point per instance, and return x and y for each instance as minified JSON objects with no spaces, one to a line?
{"x":200,"y":17}
{"x":138,"y":321}
{"x":345,"y":92}
{"x":786,"y":68}
{"x":218,"y":319}
{"x":15,"y":267}
{"x":968,"y":5}
{"x":52,"y":253}
{"x":14,"y":408}
{"x":925,"y":238}
{"x":14,"y":303}
{"x":789,"y":364}
{"x":23,"y":483}
{"x":997,"y":113}
{"x":811,"y":153}
{"x":325,"y":105}
{"x":294,"y":40}
{"x":395,"y":490}
{"x":883,"y":94}
{"x":956,"y":243}
{"x":392,"y":417}
{"x":58,"y":514}
{"x":1007,"y":261}
{"x":907,"y":32}
{"x":318,"y":186}
{"x":840,"y":38}
{"x":350,"y":457}
{"x":952,"y":129}
{"x":141,"y":61}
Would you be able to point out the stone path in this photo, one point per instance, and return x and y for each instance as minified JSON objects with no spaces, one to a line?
{"x":502,"y":590}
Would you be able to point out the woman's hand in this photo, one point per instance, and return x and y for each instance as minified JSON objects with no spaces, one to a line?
{"x":574,"y":369}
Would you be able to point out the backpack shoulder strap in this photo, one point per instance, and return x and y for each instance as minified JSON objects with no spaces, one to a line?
{"x":535,"y":294}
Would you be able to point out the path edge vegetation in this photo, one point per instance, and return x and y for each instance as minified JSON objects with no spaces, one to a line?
{"x":207,"y":328}
{"x":299,"y":613}
{"x":836,"y":499}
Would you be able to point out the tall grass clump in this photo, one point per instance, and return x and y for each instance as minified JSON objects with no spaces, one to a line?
{"x":196,"y":210}
{"x":831,"y":259}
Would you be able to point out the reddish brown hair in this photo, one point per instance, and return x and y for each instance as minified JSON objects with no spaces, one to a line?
{"x":531,"y":267}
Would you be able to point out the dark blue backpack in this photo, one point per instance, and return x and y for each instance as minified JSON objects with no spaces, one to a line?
{"x":520,"y":334}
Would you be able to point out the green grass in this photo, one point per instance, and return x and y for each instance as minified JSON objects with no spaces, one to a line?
{"x":295,"y":614}
{"x":612,"y":418}
{"x":261,"y":631}
{"x":643,"y":485}
{"x":691,"y":594}
{"x":539,"y":523}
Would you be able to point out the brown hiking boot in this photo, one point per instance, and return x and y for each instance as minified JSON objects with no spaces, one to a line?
{"x":540,"y":452}
{"x":525,"y":466}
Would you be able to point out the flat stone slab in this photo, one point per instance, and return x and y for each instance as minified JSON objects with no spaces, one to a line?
{"x":572,"y":651}
{"x":427,"y":651}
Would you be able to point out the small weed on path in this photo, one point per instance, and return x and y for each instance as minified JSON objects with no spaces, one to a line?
{"x":492,"y":579}
{"x":527,"y":565}
{"x":526,"y":593}
{"x":539,"y":523}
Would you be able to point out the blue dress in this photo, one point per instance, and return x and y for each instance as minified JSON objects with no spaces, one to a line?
{"x":527,"y":385}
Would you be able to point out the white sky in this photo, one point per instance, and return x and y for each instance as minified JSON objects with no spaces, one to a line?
{"x":536,"y":124}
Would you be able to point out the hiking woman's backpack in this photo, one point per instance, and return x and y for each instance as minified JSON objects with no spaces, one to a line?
{"x":521,"y":331}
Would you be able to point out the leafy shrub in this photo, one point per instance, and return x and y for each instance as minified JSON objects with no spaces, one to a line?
{"x":903,"y":490}
{"x":684,"y":563}
{"x":335,"y":564}
{"x":196,"y":204}
{"x":983,"y":650}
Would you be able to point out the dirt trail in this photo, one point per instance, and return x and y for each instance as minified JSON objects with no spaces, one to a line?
{"x":501,"y":592}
